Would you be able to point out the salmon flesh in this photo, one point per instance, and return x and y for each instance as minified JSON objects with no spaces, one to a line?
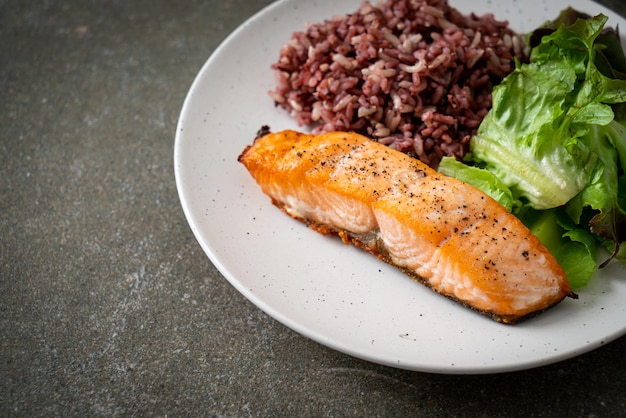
{"x":442,"y":232}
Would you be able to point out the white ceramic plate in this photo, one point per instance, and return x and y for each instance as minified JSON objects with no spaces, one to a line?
{"x":335,"y":294}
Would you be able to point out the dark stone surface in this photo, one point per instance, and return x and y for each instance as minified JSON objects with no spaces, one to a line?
{"x":108,"y":306}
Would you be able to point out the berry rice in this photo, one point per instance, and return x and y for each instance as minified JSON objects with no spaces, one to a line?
{"x":415,"y":75}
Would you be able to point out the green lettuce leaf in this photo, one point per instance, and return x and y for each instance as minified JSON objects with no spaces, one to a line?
{"x":481,"y":179}
{"x":573,"y":247}
{"x":603,"y":195}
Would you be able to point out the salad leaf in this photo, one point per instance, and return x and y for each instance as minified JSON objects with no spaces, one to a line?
{"x":530,"y":142}
{"x":610,"y":58}
{"x":552,"y":149}
{"x":482,"y":179}
{"x":574,"y":248}
{"x":603,"y":194}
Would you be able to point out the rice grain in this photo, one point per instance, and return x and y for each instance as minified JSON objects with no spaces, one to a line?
{"x":415,"y":75}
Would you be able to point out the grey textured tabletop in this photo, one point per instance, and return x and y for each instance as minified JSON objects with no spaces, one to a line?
{"x":108,"y":305}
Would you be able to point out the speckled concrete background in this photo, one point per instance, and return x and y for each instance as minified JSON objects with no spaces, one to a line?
{"x":108,"y":306}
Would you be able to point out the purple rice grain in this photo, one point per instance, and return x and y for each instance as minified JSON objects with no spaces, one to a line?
{"x":415,"y":75}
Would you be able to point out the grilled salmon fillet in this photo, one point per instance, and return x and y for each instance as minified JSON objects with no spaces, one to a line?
{"x":443,"y":232}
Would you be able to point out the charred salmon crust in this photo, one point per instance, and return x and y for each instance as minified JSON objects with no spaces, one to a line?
{"x":442,"y":232}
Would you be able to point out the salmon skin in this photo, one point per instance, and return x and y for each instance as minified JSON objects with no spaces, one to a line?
{"x":442,"y":232}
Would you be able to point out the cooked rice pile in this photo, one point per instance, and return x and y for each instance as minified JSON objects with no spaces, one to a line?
{"x":416,"y":75}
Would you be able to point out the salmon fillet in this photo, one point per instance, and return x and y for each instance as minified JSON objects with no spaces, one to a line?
{"x":440,"y":231}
